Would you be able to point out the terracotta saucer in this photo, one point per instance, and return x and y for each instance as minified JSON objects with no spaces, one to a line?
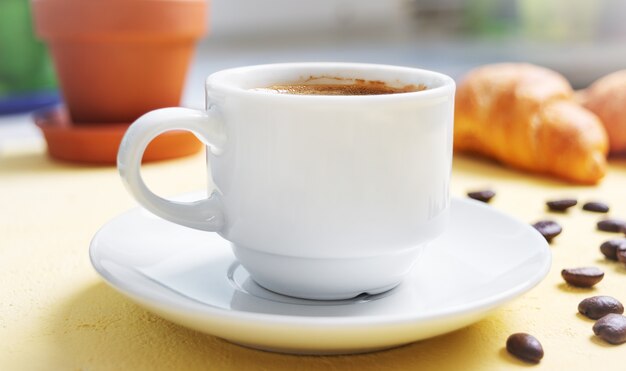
{"x":98,"y":143}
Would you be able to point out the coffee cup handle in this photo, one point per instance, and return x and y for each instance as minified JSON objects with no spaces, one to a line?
{"x":205,"y":214}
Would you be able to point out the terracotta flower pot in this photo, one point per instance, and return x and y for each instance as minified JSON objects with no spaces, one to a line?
{"x":118,"y":59}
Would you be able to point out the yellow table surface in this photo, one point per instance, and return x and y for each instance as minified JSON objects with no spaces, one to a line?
{"x":57,"y":314}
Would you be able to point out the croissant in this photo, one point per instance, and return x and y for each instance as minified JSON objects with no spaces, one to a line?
{"x":607,"y":99}
{"x":524,"y":116}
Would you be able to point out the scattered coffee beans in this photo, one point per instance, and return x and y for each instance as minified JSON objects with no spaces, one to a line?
{"x":548,"y":229}
{"x":582,"y":277}
{"x":525,"y":347}
{"x":596,"y":207}
{"x":597,"y":307}
{"x":611,"y":328}
{"x":612,"y":225}
{"x":484,"y":196}
{"x":561,"y":205}
{"x":611,"y":247}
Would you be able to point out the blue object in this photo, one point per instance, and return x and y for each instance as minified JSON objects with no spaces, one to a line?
{"x":28,"y":101}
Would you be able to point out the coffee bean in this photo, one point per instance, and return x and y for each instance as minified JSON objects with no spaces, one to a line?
{"x":611,"y":328}
{"x":582,"y":277}
{"x":484,"y":196}
{"x":548,"y":229}
{"x":611,"y":247}
{"x":597,"y":307}
{"x":596,"y":207}
{"x":561,"y":205}
{"x":525,"y":347}
{"x":612,"y":225}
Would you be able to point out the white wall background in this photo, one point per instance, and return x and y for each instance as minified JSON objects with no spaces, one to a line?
{"x":237,"y":18}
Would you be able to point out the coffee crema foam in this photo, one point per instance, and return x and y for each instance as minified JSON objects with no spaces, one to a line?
{"x":343,"y":87}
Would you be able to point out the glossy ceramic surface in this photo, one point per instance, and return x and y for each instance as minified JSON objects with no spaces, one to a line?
{"x":314,"y":182}
{"x":484,"y":259}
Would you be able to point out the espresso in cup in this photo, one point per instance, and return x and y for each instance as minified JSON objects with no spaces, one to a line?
{"x":339,"y":86}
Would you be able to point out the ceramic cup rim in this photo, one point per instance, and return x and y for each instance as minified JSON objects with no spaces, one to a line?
{"x":224,"y":81}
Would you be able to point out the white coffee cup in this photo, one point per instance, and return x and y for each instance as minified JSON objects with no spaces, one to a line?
{"x":322,"y":197}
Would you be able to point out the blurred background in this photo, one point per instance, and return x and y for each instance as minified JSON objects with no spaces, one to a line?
{"x":582,"y":39}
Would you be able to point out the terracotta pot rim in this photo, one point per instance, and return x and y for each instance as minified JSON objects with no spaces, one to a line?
{"x":118,"y":19}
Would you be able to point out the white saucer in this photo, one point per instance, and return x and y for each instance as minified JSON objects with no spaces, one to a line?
{"x":484,"y":259}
